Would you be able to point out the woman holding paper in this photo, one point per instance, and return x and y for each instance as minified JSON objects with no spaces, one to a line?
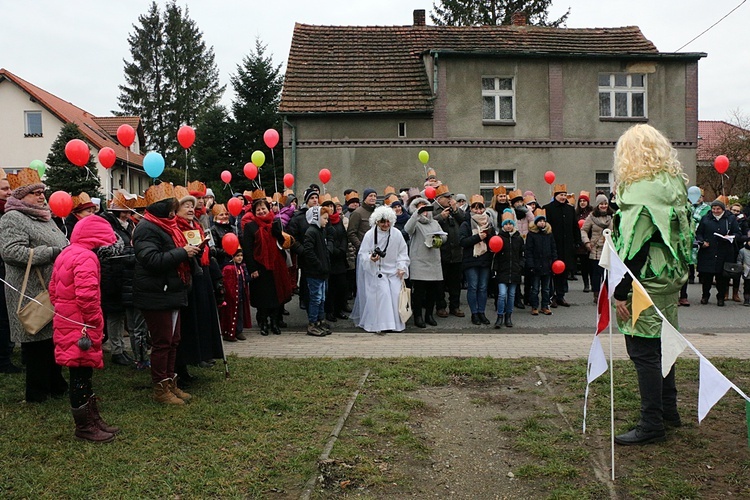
{"x":715,"y":240}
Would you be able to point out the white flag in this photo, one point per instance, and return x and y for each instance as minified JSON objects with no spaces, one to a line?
{"x":711,"y":387}
{"x":614,"y":264}
{"x":672,"y":345}
{"x":597,"y":366}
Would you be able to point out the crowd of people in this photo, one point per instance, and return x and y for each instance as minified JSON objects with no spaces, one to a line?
{"x":160,"y":270}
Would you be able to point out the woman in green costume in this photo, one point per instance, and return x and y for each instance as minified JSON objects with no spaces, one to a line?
{"x":653,"y":236}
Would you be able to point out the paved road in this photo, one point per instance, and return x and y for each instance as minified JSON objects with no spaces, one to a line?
{"x":567,"y":334}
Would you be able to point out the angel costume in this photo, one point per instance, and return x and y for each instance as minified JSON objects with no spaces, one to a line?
{"x":378,"y":286}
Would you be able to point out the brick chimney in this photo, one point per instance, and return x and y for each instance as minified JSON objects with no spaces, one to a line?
{"x":518,"y":18}
{"x":419,"y":17}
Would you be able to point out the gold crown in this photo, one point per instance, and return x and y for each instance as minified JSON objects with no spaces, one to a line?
{"x":507,"y":216}
{"x":287,"y":192}
{"x":159,"y":192}
{"x":431,"y":173}
{"x":80,"y":199}
{"x":335,"y":200}
{"x":258,"y":194}
{"x":279,"y":198}
{"x":197,"y":189}
{"x":540,"y":212}
{"x":389,"y":190}
{"x":476,"y":198}
{"x":181,"y":192}
{"x":390,"y":198}
{"x":529,"y":199}
{"x":441,"y":190}
{"x":513,"y":195}
{"x":123,"y":200}
{"x":499,"y":190}
{"x":586,"y":194}
{"x":218,"y":208}
{"x":140,"y":202}
{"x":353,"y":195}
{"x":571,"y":198}
{"x":560,"y":188}
{"x":24,"y":177}
{"x":323,"y":198}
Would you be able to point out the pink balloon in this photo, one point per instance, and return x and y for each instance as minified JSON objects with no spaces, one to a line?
{"x":549,"y":177}
{"x":324,"y":175}
{"x":107,"y":157}
{"x":186,"y":136}
{"x":429,"y":192}
{"x":226,"y":176}
{"x":721,"y":164}
{"x":496,"y":244}
{"x":126,"y":135}
{"x":234,"y":205}
{"x":230,"y":243}
{"x":558,"y":267}
{"x":61,"y":203}
{"x":250,"y":170}
{"x":271,"y":138}
{"x":288,"y":180}
{"x":77,"y":152}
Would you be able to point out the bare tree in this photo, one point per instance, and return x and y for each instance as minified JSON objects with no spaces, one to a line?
{"x":733,"y":141}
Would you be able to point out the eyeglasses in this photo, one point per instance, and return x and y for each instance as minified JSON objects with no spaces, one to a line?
{"x":38,"y":192}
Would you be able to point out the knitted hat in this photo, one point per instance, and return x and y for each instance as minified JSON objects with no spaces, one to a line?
{"x":309,"y":193}
{"x":540,"y":214}
{"x":499,"y":190}
{"x":600,"y":198}
{"x":508,"y":217}
{"x":24,"y":182}
{"x":396,"y":203}
{"x":584,"y":195}
{"x":460,"y":197}
{"x":313,"y":215}
{"x":368,"y":192}
{"x":718,"y":203}
{"x":210,"y":192}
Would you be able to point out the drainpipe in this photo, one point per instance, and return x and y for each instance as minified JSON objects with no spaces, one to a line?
{"x":434,"y":73}
{"x":293,"y":161}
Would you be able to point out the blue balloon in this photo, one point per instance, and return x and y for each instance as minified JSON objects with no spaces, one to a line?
{"x":153,"y":164}
{"x":694,"y":194}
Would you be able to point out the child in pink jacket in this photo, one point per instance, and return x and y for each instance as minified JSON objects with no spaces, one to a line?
{"x":76,"y":294}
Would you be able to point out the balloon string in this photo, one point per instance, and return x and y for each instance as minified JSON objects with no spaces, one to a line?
{"x":186,"y":166}
{"x":275,"y":182}
{"x":53,"y":311}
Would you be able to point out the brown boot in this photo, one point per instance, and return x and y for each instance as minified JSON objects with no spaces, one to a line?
{"x":177,"y":391}
{"x":736,"y":296}
{"x":94,"y":407}
{"x":86,"y":428}
{"x":162,"y":393}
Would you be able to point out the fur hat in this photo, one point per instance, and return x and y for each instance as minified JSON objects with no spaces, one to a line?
{"x":313,"y":215}
{"x":476,"y":198}
{"x":159,"y":192}
{"x":559,"y":188}
{"x":381,"y":213}
{"x":499,"y":190}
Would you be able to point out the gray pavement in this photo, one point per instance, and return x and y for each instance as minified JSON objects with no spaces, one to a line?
{"x":567,"y":334}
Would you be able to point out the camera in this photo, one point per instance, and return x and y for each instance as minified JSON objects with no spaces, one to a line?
{"x":377,"y":251}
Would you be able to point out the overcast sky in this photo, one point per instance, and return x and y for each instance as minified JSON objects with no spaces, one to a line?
{"x":75,"y":48}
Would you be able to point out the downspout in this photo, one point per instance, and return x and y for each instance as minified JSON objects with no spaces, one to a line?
{"x":293,"y":162}
{"x":434,"y":73}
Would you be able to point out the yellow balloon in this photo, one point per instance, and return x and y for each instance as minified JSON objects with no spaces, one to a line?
{"x":424,"y":156}
{"x":258,"y":158}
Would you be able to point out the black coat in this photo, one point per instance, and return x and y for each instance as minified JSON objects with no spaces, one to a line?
{"x":317,"y":259}
{"x":468,"y":240}
{"x":508,"y":263}
{"x":218,"y":231}
{"x":540,"y":251}
{"x":711,"y":259}
{"x":451,"y":251}
{"x":297,"y":227}
{"x":338,"y":245}
{"x":262,"y":288}
{"x":562,"y":218}
{"x":117,"y":273}
{"x":157,"y":286}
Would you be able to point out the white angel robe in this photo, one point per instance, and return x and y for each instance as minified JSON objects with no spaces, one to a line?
{"x":378,"y":286}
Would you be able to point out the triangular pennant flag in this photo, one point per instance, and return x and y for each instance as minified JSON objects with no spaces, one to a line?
{"x":672,"y":345}
{"x":614,"y":265}
{"x":602,"y":309}
{"x":597,"y":366}
{"x":641,"y":300}
{"x":711,"y":387}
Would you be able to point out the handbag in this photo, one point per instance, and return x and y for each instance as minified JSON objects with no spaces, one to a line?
{"x":38,"y":312}
{"x":732,"y":270}
{"x":404,"y":302}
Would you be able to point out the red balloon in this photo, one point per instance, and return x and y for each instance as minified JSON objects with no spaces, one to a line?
{"x":324,"y":175}
{"x":107,"y":157}
{"x":230,"y":243}
{"x":126,"y":135}
{"x":250,"y":170}
{"x":549,"y":177}
{"x":61,"y":203}
{"x":580,"y":223}
{"x":234,"y":205}
{"x":186,"y":136}
{"x":496,"y":244}
{"x":721,"y":164}
{"x":558,"y":267}
{"x":288,"y":180}
{"x":271,"y":138}
{"x":226,"y":176}
{"x":429,"y":192}
{"x":77,"y":152}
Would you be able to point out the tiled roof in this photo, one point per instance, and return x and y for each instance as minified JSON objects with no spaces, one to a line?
{"x":710,"y":135}
{"x":350,"y":69}
{"x":110,"y":124}
{"x":67,"y":112}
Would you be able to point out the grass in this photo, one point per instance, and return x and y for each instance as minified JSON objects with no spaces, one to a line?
{"x":260,"y":433}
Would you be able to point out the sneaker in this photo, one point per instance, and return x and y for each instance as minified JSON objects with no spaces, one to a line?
{"x":535,"y":312}
{"x":325,"y":327}
{"x":546,"y":312}
{"x":638,"y":436}
{"x":314,"y":330}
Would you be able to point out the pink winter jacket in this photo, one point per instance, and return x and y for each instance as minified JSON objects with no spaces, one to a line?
{"x":76,"y":294}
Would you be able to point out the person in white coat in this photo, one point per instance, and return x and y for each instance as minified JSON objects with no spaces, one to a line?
{"x":382,"y":262}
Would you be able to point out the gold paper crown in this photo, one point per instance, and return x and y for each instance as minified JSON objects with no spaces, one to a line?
{"x":181,"y":192}
{"x":540,"y":212}
{"x":258,"y":194}
{"x":499,"y":190}
{"x":431,"y":173}
{"x":218,"y":208}
{"x":248,"y":195}
{"x":80,"y":199}
{"x":159,"y":192}
{"x":513,"y":195}
{"x":441,"y":190}
{"x":389,"y":190}
{"x":529,"y":199}
{"x":507,"y":216}
{"x":560,"y":188}
{"x":278,"y":198}
{"x":24,"y":177}
{"x":323,"y":198}
{"x":586,"y":194}
{"x":123,"y":200}
{"x":351,"y":196}
{"x":336,"y":200}
{"x":476,"y":198}
{"x":288,"y":192}
{"x":197,"y":189}
{"x":390,"y":198}
{"x":140,"y":202}
{"x":571,"y":198}
{"x":723,"y":199}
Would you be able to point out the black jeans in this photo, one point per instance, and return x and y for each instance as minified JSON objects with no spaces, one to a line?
{"x":721,"y":285}
{"x":451,"y":284}
{"x":423,"y":296}
{"x":43,"y":374}
{"x":338,"y":288}
{"x":658,"y":394}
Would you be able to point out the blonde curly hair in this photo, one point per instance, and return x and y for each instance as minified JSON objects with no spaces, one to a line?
{"x":641,"y":153}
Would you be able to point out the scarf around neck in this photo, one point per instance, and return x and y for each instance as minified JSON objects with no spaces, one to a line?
{"x":479,"y":223}
{"x":27,"y":209}
{"x":267,"y":253}
{"x":186,"y":225}
{"x":169,"y":226}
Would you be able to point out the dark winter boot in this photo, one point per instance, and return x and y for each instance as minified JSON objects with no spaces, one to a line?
{"x":499,"y":322}
{"x":86,"y":428}
{"x":419,"y":321}
{"x":264,"y":327}
{"x":94,"y":407}
{"x":429,"y":319}
{"x":483,"y":319}
{"x":508,"y":322}
{"x":747,"y":300}
{"x":275,"y":326}
{"x":475,"y":319}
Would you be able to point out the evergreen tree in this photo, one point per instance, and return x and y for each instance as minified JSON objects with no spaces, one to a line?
{"x":493,"y":12}
{"x":211,"y":154}
{"x":257,"y":86}
{"x":63,"y":175}
{"x":172,"y":80}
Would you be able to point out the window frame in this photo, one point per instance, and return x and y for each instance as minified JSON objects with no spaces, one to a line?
{"x":401,"y":130}
{"x":600,"y":186}
{"x":497,"y":93}
{"x":27,"y":130}
{"x":613,"y":89}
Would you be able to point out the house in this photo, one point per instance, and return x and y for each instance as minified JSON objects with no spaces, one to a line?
{"x":492,"y":105}
{"x":31,"y":119}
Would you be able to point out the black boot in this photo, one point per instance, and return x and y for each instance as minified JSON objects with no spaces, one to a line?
{"x":499,"y":322}
{"x":331,"y":317}
{"x":264,"y":327}
{"x":274,"y":328}
{"x":475,"y":319}
{"x":747,"y":300}
{"x":508,"y":322}
{"x":419,"y":321}
{"x":430,"y":319}
{"x":483,"y":319}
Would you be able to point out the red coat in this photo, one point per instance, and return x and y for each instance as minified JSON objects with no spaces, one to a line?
{"x":76,"y":294}
{"x":229,"y":312}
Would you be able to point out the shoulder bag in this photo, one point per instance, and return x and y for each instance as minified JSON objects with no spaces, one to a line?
{"x":38,"y":312}
{"x":404,"y":302}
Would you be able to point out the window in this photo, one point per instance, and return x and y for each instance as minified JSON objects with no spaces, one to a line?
{"x":603,"y":181}
{"x":498,"y":99}
{"x":402,"y":129}
{"x":489,"y":179}
{"x":33,"y":123}
{"x":622,"y":95}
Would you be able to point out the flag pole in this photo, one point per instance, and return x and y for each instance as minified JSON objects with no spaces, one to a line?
{"x":611,"y":384}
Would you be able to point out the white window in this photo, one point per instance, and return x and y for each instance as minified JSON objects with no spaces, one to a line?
{"x":490,"y":179}
{"x":622,"y":95}
{"x":603,"y":182}
{"x":33,"y":121}
{"x":498,"y":99}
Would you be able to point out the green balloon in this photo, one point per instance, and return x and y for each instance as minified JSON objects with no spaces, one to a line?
{"x":258,"y":158}
{"x":41,"y":169}
{"x":424,"y":156}
{"x":36,"y":164}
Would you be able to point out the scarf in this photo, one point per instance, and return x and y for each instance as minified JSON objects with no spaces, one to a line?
{"x":169,"y":226}
{"x":335,"y":218}
{"x":200,"y":212}
{"x":402,"y":219}
{"x":27,"y":209}
{"x":479,"y":223}
{"x":186,"y":225}
{"x":267,"y":254}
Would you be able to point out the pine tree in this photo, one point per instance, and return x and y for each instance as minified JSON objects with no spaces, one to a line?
{"x":211,"y":154}
{"x":257,"y":86}
{"x":63,"y":175}
{"x":493,"y":12}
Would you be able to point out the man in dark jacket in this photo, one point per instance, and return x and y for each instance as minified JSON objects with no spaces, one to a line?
{"x":318,"y":267}
{"x":450,"y":218}
{"x":562,"y":217}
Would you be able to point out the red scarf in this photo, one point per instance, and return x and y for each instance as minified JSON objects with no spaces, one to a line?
{"x":200,"y":212}
{"x":267,"y":254}
{"x":186,"y":225}
{"x":335,"y":218}
{"x":169,"y":226}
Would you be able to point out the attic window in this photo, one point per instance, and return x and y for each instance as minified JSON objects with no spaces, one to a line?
{"x":622,"y":96}
{"x":402,"y":129}
{"x":498,"y":99}
{"x":33,"y":121}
